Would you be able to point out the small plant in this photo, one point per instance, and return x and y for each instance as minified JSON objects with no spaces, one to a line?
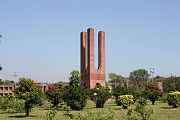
{"x":173,"y":99}
{"x":142,"y":101}
{"x":141,"y":111}
{"x":68,"y":115}
{"x":125,"y":101}
{"x":51,"y":114}
{"x":91,"y":115}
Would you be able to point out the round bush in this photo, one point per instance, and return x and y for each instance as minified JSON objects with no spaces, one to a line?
{"x":125,"y":101}
{"x":173,"y":99}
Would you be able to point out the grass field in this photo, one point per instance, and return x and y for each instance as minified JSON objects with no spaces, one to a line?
{"x":161,"y":112}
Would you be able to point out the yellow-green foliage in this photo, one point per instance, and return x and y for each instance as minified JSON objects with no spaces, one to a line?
{"x":173,"y":99}
{"x":125,"y":100}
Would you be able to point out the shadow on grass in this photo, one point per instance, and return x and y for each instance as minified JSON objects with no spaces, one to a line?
{"x":21,"y":116}
{"x":167,"y":108}
{"x":118,"y":108}
{"x":4,"y":112}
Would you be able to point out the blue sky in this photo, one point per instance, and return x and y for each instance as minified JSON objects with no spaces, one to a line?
{"x":41,"y":37}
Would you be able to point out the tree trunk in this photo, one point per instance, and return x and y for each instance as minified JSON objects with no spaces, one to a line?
{"x":27,"y":112}
{"x":27,"y":108}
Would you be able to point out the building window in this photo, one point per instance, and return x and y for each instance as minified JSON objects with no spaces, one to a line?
{"x":6,"y":88}
{"x":10,"y":88}
{"x":44,"y":89}
{"x":1,"y":88}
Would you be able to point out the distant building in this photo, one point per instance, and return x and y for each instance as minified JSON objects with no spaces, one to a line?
{"x":42,"y":86}
{"x":65,"y":84}
{"x":7,"y":90}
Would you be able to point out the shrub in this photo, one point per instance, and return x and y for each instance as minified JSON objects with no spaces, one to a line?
{"x":142,"y":101}
{"x":173,"y":99}
{"x":125,"y":101}
{"x":153,"y":97}
{"x":100,"y":95}
{"x":76,"y":98}
{"x":91,"y":115}
{"x":140,"y":112}
{"x":152,"y":93}
{"x":11,"y":104}
{"x":74,"y":95}
{"x":55,"y":94}
{"x":50,"y":115}
{"x":120,"y":90}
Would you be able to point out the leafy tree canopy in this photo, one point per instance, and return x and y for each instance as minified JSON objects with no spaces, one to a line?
{"x":55,"y":94}
{"x":29,"y":92}
{"x":139,"y":78}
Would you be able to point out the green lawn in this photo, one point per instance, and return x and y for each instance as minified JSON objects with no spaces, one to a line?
{"x":161,"y":112}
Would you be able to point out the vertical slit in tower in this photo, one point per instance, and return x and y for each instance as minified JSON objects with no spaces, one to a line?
{"x":90,"y":39}
{"x":83,"y":54}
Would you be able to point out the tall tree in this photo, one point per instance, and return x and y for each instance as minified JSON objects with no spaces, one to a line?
{"x":117,"y":80}
{"x":30,"y":93}
{"x":75,"y":96}
{"x":55,"y":94}
{"x":171,"y":84}
{"x":139,"y":78}
{"x":74,"y":78}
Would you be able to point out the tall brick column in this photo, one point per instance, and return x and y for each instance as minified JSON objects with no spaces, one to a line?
{"x":83,"y":54}
{"x":101,"y":51}
{"x":90,"y":76}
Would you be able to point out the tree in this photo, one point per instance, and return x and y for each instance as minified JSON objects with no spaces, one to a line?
{"x":75,"y":96}
{"x":6,"y":82}
{"x":100,"y":95}
{"x":139,"y":78}
{"x":117,"y":80}
{"x":120,"y":91}
{"x":171,"y":84}
{"x":55,"y":94}
{"x":30,"y":93}
{"x":152,"y":93}
{"x":74,"y":78}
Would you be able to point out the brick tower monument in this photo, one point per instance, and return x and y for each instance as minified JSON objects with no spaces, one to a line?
{"x":90,"y":75}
